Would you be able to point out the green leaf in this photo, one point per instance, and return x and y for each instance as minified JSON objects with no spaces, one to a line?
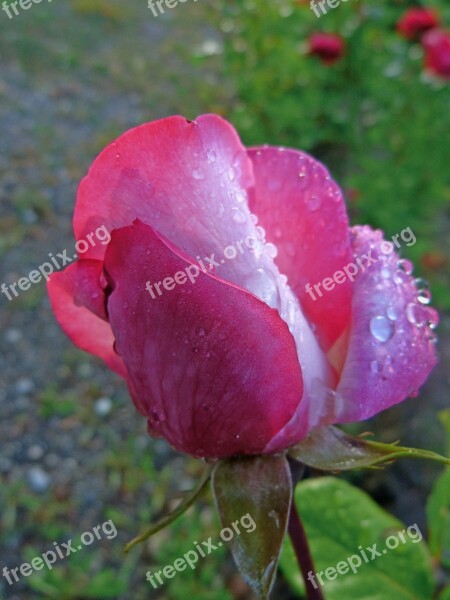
{"x":438,"y":515}
{"x":260,"y":488}
{"x":341,"y":523}
{"x":330,"y":449}
{"x":445,"y":594}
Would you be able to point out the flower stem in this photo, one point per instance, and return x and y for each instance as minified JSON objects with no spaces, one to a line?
{"x":299,"y":540}
{"x":181,"y":508}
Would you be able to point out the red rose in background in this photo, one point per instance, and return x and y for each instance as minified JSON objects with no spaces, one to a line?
{"x":416,"y":21}
{"x":436,"y":45}
{"x":327,"y":46}
{"x":239,"y":359}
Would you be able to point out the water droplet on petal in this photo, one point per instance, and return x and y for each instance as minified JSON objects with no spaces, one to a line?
{"x":198,"y":174}
{"x":433,"y":318}
{"x":241,"y":196}
{"x":270,"y":250}
{"x":381,"y":328}
{"x":385,"y":273}
{"x":375,"y":366}
{"x":392,"y":313}
{"x":314,"y":202}
{"x":421,"y":283}
{"x":405,"y":265}
{"x":211,"y":155}
{"x":424,"y":296}
{"x":421,"y":315}
{"x":238,"y":216}
{"x":200,"y":331}
{"x":400,"y":277}
{"x":261,"y":233}
{"x":277,"y":232}
{"x":231,"y":174}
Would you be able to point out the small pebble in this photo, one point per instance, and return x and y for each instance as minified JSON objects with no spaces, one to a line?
{"x":5,"y":465}
{"x":35,"y":452}
{"x":24,"y":385}
{"x":12,"y":336}
{"x":38,"y":480}
{"x":103,"y":406}
{"x":51,"y":460}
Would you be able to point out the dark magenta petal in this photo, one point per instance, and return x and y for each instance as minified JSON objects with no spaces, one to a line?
{"x":304,"y":215}
{"x":391,"y":350}
{"x":77,"y":299}
{"x":214,"y":368}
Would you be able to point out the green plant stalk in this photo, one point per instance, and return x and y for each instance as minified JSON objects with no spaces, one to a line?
{"x":187,"y":502}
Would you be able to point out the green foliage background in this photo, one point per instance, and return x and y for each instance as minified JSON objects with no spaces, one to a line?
{"x":374,"y":118}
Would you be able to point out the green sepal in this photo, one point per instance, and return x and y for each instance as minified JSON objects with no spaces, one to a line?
{"x":261,"y":488}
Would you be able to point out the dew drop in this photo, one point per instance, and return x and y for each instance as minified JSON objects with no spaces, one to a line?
{"x":238,"y":216}
{"x":424,"y":296}
{"x":375,"y":366}
{"x":385,"y":273}
{"x":405,"y":265}
{"x":314,"y":202}
{"x":198,"y":174}
{"x":433,"y":318}
{"x":420,"y":315}
{"x":392,"y":313}
{"x":200,"y":331}
{"x":241,"y":196}
{"x":270,"y":250}
{"x":381,"y":328}
{"x":157,"y":417}
{"x":400,"y":277}
{"x":261,"y":233}
{"x":211,"y":156}
{"x":421,"y":283}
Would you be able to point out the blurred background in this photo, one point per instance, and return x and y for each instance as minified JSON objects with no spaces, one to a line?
{"x":74,"y":75}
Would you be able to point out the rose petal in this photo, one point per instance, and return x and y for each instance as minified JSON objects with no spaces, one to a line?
{"x":392,"y":350}
{"x":215,"y":367}
{"x":77,"y":300}
{"x":188,"y":180}
{"x":303,"y":212}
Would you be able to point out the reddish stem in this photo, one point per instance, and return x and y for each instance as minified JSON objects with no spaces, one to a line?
{"x":299,"y":540}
